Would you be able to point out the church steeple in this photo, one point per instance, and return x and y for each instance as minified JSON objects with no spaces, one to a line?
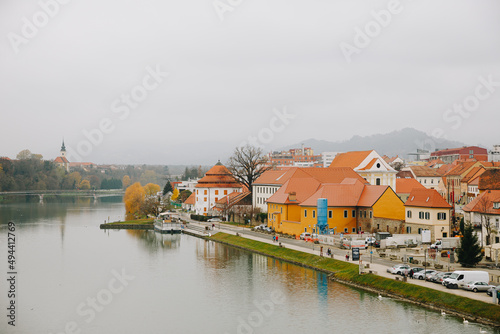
{"x":63,"y":149}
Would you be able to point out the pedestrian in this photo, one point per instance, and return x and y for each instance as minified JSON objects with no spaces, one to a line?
{"x":321,"y":251}
{"x":411,"y":273}
{"x":213,"y":226}
{"x":274,"y":238}
{"x":347,"y":256}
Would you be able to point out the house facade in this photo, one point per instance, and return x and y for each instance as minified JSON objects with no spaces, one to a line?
{"x":369,"y":165}
{"x":217,"y":183}
{"x":352,"y":207}
{"x":484,"y":213}
{"x":427,"y":210}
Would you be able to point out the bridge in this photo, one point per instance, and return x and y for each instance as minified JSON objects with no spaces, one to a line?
{"x":88,"y":193}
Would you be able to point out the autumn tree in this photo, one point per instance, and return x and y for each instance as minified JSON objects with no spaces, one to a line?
{"x":151,"y":189}
{"x":175,"y":195}
{"x":246,"y":164}
{"x":126,"y":181}
{"x":24,"y":155}
{"x":85,"y":185}
{"x":71,"y":180}
{"x":184,"y":194}
{"x":134,"y":198}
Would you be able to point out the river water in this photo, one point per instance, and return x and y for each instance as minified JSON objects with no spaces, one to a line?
{"x":72,"y":277}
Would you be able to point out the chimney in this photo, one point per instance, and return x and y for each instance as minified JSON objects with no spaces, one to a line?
{"x":292,"y":196}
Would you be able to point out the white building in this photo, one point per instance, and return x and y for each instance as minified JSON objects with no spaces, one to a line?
{"x":187,"y":185}
{"x":369,"y":165}
{"x":494,"y":155}
{"x":328,"y":157}
{"x":217,"y":183}
{"x":428,"y":177}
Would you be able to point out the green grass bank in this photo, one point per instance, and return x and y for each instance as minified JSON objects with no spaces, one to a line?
{"x":348,"y":273}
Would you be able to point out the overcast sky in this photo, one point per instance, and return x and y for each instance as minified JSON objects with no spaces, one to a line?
{"x":279,"y":70}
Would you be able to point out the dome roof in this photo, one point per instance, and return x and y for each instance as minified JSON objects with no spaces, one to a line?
{"x":218,"y":177}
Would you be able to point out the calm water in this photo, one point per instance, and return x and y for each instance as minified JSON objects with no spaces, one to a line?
{"x":74,"y":277}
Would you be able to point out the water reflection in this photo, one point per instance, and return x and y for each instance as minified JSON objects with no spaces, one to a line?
{"x":153,"y":241}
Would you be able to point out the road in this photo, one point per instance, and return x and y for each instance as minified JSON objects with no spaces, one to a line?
{"x":377,"y":264}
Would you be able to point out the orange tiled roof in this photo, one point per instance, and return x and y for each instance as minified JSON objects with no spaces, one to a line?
{"x":349,"y":193}
{"x":490,"y":180}
{"x":370,"y":164}
{"x":303,"y":187}
{"x":61,"y":160}
{"x":234,"y":198}
{"x":405,"y":186}
{"x":191,"y":199}
{"x":460,"y":168}
{"x":275,"y":176}
{"x":427,"y":198}
{"x":474,"y":172}
{"x":218,"y":177}
{"x":424,"y":171}
{"x":404,"y":174}
{"x":445,"y":169}
{"x":350,"y":159}
{"x":477,"y":204}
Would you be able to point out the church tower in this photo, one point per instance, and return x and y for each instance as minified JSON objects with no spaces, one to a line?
{"x":63,"y":150}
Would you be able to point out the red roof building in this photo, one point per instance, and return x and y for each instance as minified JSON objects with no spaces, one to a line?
{"x":462,"y":153}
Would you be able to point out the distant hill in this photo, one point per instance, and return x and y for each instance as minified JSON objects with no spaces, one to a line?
{"x":401,"y":142}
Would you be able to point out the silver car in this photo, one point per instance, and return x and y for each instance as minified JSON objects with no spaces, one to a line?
{"x":422,"y":274}
{"x":476,"y":286}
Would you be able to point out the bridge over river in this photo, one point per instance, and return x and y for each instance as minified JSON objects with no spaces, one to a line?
{"x":83,"y":193}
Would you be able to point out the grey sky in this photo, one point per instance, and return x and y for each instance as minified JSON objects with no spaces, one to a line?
{"x":227,"y":76}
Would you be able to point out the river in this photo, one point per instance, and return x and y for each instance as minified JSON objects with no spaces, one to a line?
{"x":72,"y":277}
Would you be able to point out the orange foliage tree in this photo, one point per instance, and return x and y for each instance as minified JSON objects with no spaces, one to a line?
{"x":151,"y":189}
{"x":134,"y":198}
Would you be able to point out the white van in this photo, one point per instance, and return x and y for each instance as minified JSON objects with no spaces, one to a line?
{"x":459,"y":278}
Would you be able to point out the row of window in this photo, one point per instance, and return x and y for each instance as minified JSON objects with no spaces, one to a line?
{"x":427,"y":215}
{"x":266,"y":190}
{"x":346,"y":213}
{"x":205,"y":192}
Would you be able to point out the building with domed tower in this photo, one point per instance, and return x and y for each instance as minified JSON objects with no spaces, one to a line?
{"x":217,"y":183}
{"x":61,"y":160}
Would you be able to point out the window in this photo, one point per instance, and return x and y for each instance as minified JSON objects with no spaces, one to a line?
{"x":441,"y":215}
{"x":305,"y":229}
{"x":216,"y":199}
{"x":497,"y":224}
{"x":305,"y":213}
{"x":425,"y":180}
{"x":445,"y":235}
{"x":364,"y":214}
{"x":353,"y":213}
{"x":377,"y":181}
{"x":371,"y":214}
{"x":217,"y":192}
{"x":378,"y":226}
{"x":408,"y":229}
{"x":345,"y":213}
{"x":353,"y":230}
{"x":330,"y":213}
{"x":419,"y":231}
{"x":205,"y":192}
{"x":408,"y":214}
{"x":496,"y":205}
{"x":346,"y":230}
{"x":281,"y":210}
{"x":225,"y":192}
{"x":314,"y":213}
{"x":420,"y":215}
{"x":205,"y":199}
{"x":427,"y":216}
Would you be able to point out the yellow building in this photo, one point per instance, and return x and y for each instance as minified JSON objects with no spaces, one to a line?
{"x":353,"y":206}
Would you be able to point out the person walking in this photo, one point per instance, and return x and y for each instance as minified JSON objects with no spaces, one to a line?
{"x":274,"y":238}
{"x":321,"y":251}
{"x":347,"y":256}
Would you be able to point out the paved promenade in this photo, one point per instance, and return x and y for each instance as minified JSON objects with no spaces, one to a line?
{"x":378,"y":264}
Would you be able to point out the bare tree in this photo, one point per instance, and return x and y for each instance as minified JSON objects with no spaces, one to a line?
{"x":246,"y":164}
{"x":483,"y":205}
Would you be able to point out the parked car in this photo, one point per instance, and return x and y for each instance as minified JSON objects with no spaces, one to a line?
{"x":261,"y":227}
{"x":398,"y":269}
{"x":423,"y":273}
{"x":305,"y":235}
{"x":476,"y":286}
{"x":214,"y":220}
{"x":441,"y":276}
{"x":492,"y":288}
{"x":432,"y":277}
{"x":370,"y":241}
